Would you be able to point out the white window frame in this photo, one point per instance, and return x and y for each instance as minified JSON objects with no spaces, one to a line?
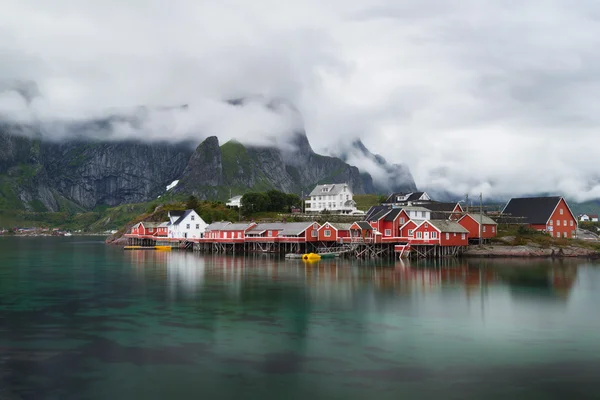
{"x":314,"y":233}
{"x":387,"y":232}
{"x":571,"y":223}
{"x":447,"y":236}
{"x":434,"y":235}
{"x":561,"y":211}
{"x":410,"y":232}
{"x":558,"y":222}
{"x":565,"y":222}
{"x":419,"y":235}
{"x":327,"y":233}
{"x":483,"y":228}
{"x":462,"y":236}
{"x":565,"y":235}
{"x":493,"y":229}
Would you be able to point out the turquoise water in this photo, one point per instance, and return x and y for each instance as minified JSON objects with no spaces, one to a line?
{"x":81,"y":320}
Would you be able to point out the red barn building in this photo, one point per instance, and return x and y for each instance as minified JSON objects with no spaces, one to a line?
{"x":440,"y":232}
{"x":546,"y":214}
{"x":472,"y":223}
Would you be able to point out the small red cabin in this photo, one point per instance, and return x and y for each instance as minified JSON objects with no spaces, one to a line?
{"x":331,"y":232}
{"x":441,"y":232}
{"x":472,"y":223}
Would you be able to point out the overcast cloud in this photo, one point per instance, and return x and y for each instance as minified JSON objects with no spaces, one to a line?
{"x":491,"y":96}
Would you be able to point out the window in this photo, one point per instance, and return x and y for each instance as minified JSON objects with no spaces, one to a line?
{"x":462,"y":236}
{"x":493,"y":229}
{"x":558,"y":222}
{"x":239,"y":235}
{"x":419,"y":235}
{"x":565,"y":222}
{"x":197,"y":226}
{"x":150,"y":229}
{"x":564,"y":234}
{"x":314,"y":234}
{"x":187,"y":226}
{"x":557,"y":234}
{"x":434,"y":235}
{"x":447,"y":236}
{"x":550,"y":223}
{"x":422,"y":214}
{"x":561,"y":211}
{"x":402,"y":220}
{"x":192,"y":218}
{"x":410,"y":232}
{"x":270,"y":233}
{"x":484,"y":228}
{"x":347,"y":197}
{"x":571,"y":222}
{"x":388,"y":232}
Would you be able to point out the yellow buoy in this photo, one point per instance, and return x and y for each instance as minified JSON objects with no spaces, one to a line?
{"x":311,"y":257}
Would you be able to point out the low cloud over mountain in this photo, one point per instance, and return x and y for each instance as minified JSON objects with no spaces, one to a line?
{"x":473,"y":96}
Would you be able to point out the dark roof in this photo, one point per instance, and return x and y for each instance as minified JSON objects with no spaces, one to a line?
{"x":375,"y":209}
{"x":364,"y":225}
{"x":410,"y":196}
{"x":183,"y":216}
{"x":378,"y":215}
{"x":392,"y":215}
{"x":176,"y":213}
{"x":534,"y":210}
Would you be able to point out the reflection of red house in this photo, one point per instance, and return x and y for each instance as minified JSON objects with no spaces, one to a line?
{"x":440,"y":232}
{"x":472,"y":223}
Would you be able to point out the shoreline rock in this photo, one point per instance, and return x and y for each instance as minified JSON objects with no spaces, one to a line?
{"x":530,"y":251}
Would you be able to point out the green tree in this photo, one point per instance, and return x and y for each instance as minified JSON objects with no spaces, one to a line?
{"x":255,"y":202}
{"x":192,"y":203}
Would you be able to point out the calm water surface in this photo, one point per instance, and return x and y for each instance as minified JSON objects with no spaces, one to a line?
{"x":81,"y":320}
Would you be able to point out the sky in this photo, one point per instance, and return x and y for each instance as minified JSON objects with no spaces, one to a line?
{"x":473,"y":95}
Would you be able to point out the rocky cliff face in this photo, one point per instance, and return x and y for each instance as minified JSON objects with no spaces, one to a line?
{"x":42,"y":175}
{"x":80,"y":174}
{"x":295,"y":169}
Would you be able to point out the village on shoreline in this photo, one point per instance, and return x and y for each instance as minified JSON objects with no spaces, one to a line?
{"x":403,"y":225}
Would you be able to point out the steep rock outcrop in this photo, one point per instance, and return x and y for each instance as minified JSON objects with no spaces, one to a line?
{"x":112,"y":173}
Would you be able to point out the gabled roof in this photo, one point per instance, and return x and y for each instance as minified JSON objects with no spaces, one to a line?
{"x":402,"y":197}
{"x":260,"y":228}
{"x":150,"y":224}
{"x":217,"y":226}
{"x":392,"y":215}
{"x":338,"y":226}
{"x":183,"y":216}
{"x":176,"y":213}
{"x":415,"y":208}
{"x":533,"y":210}
{"x":295,"y":228}
{"x":374,"y":210}
{"x":364,"y":225}
{"x":444,"y":225}
{"x":235,"y":198}
{"x":378,"y":215}
{"x":240,"y":226}
{"x":485,"y":220}
{"x":329,"y":190}
{"x":163,"y":224}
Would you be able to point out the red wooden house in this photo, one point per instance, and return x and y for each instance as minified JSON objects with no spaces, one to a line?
{"x":332,"y":232}
{"x":472,"y":223}
{"x":145,"y":228}
{"x":440,"y":232}
{"x":547,"y":214}
{"x":407,"y":230}
{"x":299,"y":232}
{"x":360,"y":231}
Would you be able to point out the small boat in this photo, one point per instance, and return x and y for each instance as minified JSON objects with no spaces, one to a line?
{"x":311,"y":257}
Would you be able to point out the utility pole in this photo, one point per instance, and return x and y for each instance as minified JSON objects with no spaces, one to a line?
{"x":480,"y":217}
{"x":302,"y":199}
{"x":467,"y":202}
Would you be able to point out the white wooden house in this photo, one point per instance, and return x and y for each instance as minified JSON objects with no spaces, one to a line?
{"x":235,"y":201}
{"x":186,"y":225}
{"x":337,"y":198}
